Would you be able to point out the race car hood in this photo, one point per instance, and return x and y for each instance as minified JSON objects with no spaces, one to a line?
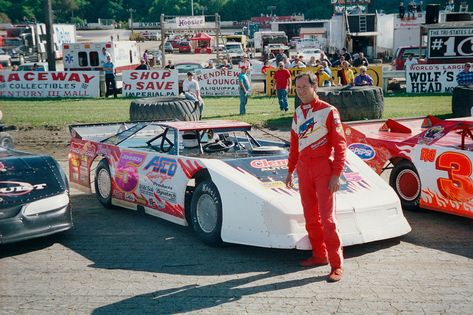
{"x":25,"y":178}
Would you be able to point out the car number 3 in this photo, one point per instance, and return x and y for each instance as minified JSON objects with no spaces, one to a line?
{"x":459,"y":185}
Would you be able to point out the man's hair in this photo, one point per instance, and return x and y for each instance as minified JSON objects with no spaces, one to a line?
{"x":311,"y":77}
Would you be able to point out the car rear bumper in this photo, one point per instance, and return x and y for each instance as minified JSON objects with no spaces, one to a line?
{"x":22,"y":227}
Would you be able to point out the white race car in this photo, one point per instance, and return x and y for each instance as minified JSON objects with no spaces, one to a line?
{"x":227,"y":185}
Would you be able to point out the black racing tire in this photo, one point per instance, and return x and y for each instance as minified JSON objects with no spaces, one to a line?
{"x":206,"y":213}
{"x":355,"y":103}
{"x":164,"y":108}
{"x":462,"y":101}
{"x":103,"y":184}
{"x":405,"y":180}
{"x":6,"y":141}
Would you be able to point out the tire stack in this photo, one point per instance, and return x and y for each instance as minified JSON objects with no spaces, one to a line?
{"x":164,"y":108}
{"x":355,"y":103}
{"x":462,"y":101}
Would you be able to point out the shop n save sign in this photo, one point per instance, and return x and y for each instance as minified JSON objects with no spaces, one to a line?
{"x":150,"y":83}
{"x":39,"y":84}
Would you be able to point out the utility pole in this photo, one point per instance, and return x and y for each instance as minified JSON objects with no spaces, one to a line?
{"x":192,"y":7}
{"x":163,"y":39}
{"x":131,"y":10}
{"x":217,"y":26}
{"x":48,"y":12}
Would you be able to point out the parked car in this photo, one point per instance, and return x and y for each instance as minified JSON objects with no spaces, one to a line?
{"x":228,"y":186}
{"x":185,"y":47}
{"x":29,"y":66}
{"x":430,"y":159}
{"x":34,"y":196}
{"x":168,"y":48}
{"x":154,"y":57}
{"x":401,"y":55}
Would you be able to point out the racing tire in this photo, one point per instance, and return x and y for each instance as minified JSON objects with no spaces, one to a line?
{"x":206,"y":213}
{"x":355,"y":103}
{"x":462,"y":101}
{"x":164,"y":108}
{"x":103,"y":184}
{"x":6,"y":141}
{"x":405,"y":180}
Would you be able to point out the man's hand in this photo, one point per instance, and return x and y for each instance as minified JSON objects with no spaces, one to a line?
{"x":334,"y":184}
{"x":289,"y":180}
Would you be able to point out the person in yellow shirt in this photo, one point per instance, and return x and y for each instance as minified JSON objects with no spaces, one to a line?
{"x":345,"y":74}
{"x":323,"y":76}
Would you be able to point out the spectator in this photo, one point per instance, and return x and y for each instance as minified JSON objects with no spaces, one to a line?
{"x":280,"y":56}
{"x":345,"y":74}
{"x":210,"y":65}
{"x":225,"y":65}
{"x":411,"y":8}
{"x":419,"y":7}
{"x":297,"y":63}
{"x":312,"y":62}
{"x":36,"y":67}
{"x":104,"y":55}
{"x":146,"y":56}
{"x":402,"y":10}
{"x":110,"y":83}
{"x":191,"y":90}
{"x":338,"y":63}
{"x":169,"y":65}
{"x":465,"y":77}
{"x":244,"y":84}
{"x":322,"y":76}
{"x":286,"y":62}
{"x":410,"y":61}
{"x":323,"y":57}
{"x":14,"y":68}
{"x":142,"y":65}
{"x":363,"y":78}
{"x":329,"y":72}
{"x":264,"y":69}
{"x":282,"y":84}
{"x":346,"y":54}
{"x":245,"y":62}
{"x":360,"y":60}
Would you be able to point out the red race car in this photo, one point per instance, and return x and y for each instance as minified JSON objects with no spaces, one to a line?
{"x":431,"y":159}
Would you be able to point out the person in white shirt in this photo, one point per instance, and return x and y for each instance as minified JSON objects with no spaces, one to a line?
{"x":191,"y":90}
{"x":410,"y":61}
{"x":104,"y":56}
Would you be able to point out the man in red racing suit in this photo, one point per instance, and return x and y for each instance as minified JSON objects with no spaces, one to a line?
{"x":316,"y":131}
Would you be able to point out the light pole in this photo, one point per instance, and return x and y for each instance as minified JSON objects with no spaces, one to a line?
{"x":271,"y":8}
{"x":192,"y":7}
{"x":131,"y":10}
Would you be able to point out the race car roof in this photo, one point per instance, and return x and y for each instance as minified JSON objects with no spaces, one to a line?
{"x":206,"y":124}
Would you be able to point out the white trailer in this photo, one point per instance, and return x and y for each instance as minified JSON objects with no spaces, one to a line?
{"x":63,"y":34}
{"x":263,"y":38}
{"x":88,"y":55}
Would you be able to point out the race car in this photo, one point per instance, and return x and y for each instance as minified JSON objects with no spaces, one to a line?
{"x":34,"y":196}
{"x":215,"y":176}
{"x":431,"y":159}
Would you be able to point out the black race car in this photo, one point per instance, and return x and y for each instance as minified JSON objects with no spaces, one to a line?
{"x":34,"y":196}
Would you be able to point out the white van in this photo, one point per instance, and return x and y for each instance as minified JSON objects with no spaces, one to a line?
{"x":88,"y":55}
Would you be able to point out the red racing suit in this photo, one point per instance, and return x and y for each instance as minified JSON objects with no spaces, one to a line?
{"x":316,"y":131}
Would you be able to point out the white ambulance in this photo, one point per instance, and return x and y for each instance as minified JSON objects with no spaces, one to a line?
{"x":88,"y":55}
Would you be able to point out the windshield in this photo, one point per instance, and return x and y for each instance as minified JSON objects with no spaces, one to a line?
{"x":184,"y":68}
{"x":234,"y":49}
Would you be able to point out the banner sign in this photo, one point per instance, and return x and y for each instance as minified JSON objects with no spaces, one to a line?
{"x":375,"y":72}
{"x":450,"y":43}
{"x":150,"y":83}
{"x":438,"y":78}
{"x":190,"y":21}
{"x":218,"y":82}
{"x":39,"y":84}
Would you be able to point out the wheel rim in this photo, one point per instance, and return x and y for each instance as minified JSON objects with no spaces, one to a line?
{"x":207,"y":213}
{"x":6,"y":143}
{"x":408,"y":184}
{"x":104,"y":183}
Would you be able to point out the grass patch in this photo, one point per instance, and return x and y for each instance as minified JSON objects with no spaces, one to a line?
{"x":261,"y":110}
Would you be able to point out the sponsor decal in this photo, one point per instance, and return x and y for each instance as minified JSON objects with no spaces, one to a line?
{"x":269,"y":165}
{"x":161,"y":169}
{"x":10,"y":188}
{"x":2,"y":167}
{"x":363,"y":151}
{"x":307,"y":128}
{"x":129,"y":197}
{"x":431,"y":135}
{"x":126,"y":176}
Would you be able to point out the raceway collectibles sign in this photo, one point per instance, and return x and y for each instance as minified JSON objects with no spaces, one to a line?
{"x":150,"y":83}
{"x":38,"y":84}
{"x":218,"y":82}
{"x":434,"y":78}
